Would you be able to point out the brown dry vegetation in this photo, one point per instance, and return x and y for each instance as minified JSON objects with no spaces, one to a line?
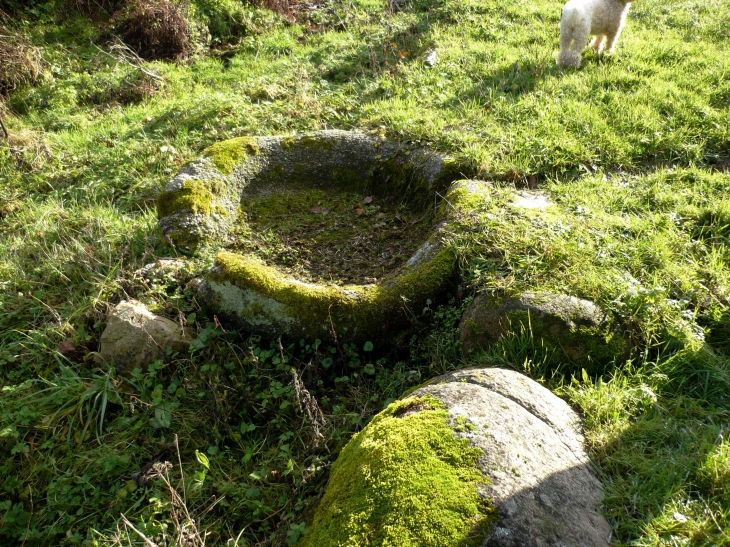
{"x":30,"y":149}
{"x":96,"y":8}
{"x":137,"y":87}
{"x":287,"y":8}
{"x":20,"y":62}
{"x":155,"y":29}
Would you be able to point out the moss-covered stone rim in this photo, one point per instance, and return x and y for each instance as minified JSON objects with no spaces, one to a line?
{"x":269,"y":281}
{"x":352,"y":160}
{"x":432,"y":255}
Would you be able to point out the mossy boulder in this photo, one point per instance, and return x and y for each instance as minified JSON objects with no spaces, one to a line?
{"x":568,"y":329}
{"x":262,"y":299}
{"x":196,"y":206}
{"x":477,"y":457}
{"x":407,"y":479}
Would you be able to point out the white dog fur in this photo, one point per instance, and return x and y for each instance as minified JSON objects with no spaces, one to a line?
{"x":603,"y":19}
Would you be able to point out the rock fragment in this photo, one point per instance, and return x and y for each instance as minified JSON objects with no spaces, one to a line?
{"x":135,"y":337}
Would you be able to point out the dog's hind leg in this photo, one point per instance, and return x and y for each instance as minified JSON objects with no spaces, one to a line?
{"x":598,"y":42}
{"x":611,"y":41}
{"x":612,"y":38}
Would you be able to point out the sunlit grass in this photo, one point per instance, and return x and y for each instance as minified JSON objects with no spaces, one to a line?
{"x":632,"y":150}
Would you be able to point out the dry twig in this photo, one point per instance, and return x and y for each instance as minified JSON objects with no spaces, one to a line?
{"x":126,"y":55}
{"x":128,"y":524}
{"x":310,"y":408}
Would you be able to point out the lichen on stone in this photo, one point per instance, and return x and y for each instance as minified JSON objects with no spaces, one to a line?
{"x":406,"y":480}
{"x":287,"y":143}
{"x":226,"y":155}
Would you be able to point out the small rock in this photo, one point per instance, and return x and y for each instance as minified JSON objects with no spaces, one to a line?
{"x":135,"y":337}
{"x":156,"y":271}
{"x":66,"y":347}
{"x":430,"y":58}
{"x":531,"y":200}
{"x":574,"y":328}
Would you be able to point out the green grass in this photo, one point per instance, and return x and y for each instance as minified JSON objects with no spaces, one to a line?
{"x":632,"y":149}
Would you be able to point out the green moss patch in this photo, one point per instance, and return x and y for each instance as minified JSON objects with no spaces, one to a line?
{"x":304,"y":298}
{"x":405,"y":480}
{"x":195,"y":195}
{"x":317,"y":142}
{"x":335,"y":237}
{"x":226,"y":155}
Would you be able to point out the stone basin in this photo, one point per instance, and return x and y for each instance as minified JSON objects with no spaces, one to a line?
{"x":320,"y":235}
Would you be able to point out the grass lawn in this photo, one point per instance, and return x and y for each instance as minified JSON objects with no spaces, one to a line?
{"x":632,"y":150}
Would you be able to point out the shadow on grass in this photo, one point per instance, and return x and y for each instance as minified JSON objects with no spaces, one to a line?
{"x":396,"y":44}
{"x":522,"y":76}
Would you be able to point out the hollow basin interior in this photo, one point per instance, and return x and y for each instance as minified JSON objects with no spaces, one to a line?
{"x":331,"y":234}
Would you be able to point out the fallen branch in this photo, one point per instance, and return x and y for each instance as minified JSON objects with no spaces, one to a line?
{"x":124,"y":55}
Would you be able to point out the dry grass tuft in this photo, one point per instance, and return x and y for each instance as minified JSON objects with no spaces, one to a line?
{"x":20,"y":61}
{"x":309,"y":407}
{"x":29,"y":148}
{"x":282,"y":7}
{"x":155,"y":29}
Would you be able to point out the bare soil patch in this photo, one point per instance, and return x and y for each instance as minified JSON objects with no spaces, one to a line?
{"x":327,"y":236}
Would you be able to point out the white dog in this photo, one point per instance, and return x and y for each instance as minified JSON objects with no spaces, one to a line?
{"x":582,"y":18}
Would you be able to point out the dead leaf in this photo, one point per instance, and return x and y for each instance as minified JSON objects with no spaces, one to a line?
{"x":325,"y":212}
{"x":359,"y":210}
{"x":315,"y":210}
{"x":368,"y":199}
{"x":66,"y":347}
